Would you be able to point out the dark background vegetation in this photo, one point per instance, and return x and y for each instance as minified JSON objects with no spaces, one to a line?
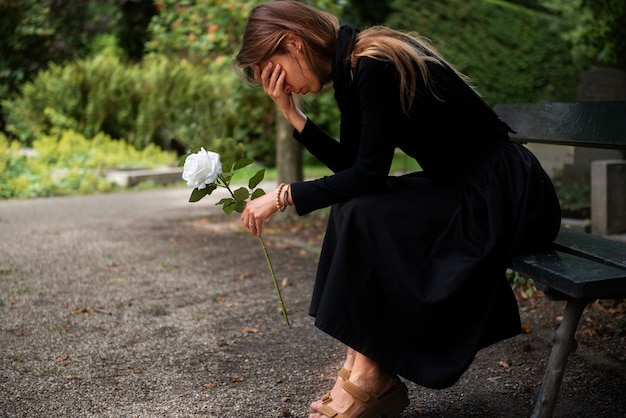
{"x":158,"y":71}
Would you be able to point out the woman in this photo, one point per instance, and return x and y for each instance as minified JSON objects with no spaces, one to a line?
{"x":411,"y":275}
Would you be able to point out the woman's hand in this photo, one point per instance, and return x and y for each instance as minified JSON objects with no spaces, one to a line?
{"x":258,"y":211}
{"x":272,"y":78}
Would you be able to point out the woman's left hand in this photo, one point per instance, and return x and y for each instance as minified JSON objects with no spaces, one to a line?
{"x":258,"y":211}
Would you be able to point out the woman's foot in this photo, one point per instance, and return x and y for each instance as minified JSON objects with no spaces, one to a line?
{"x":370,"y":392}
{"x":342,"y":376}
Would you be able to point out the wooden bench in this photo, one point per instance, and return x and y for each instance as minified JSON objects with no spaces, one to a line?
{"x":580,"y":267}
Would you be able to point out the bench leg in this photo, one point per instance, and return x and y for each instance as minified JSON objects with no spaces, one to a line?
{"x":564,"y":344}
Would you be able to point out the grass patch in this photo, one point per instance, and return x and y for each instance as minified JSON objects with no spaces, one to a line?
{"x":17,"y":359}
{"x":49,"y":372}
{"x":401,"y":164}
{"x":23,"y":291}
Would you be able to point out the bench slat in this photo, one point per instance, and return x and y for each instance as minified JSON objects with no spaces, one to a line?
{"x":572,"y":275}
{"x":590,"y":246}
{"x":585,"y":124}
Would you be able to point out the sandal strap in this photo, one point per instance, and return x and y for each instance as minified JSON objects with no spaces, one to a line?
{"x":392,"y":403}
{"x":329,"y":412}
{"x":327,"y":397}
{"x":344,"y":373}
{"x":376,"y":392}
{"x":356,"y":392}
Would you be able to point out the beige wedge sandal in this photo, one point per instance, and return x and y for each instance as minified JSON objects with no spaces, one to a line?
{"x":373,"y":404}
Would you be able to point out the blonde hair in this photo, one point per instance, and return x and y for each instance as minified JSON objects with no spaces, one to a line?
{"x":406,"y":51}
{"x":270,"y":24}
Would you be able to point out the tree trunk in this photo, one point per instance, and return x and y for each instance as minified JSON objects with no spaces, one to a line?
{"x":288,"y":152}
{"x":288,"y":156}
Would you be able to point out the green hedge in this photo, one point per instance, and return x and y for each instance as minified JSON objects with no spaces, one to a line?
{"x":511,"y":53}
{"x":152,"y":102}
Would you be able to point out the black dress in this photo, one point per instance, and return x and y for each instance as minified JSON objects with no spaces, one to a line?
{"x":412,"y":269}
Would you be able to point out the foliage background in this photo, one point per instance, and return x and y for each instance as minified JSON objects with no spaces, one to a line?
{"x":497,"y":47}
{"x":151,"y":72}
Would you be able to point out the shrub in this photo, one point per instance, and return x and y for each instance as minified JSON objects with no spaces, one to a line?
{"x":152,"y":102}
{"x":69,"y":164}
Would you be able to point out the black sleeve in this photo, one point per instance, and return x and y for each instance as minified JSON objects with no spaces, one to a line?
{"x":323,"y":147}
{"x":381,"y":124}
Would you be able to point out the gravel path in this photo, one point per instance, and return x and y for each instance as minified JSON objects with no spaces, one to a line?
{"x":140,"y":304}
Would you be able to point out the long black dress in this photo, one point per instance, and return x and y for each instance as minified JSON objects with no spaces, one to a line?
{"x":412,"y":269}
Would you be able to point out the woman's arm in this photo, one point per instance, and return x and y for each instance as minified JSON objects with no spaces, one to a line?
{"x":324,"y":147}
{"x":378,"y":129}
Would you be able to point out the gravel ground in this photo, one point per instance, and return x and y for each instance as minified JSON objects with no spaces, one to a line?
{"x":140,"y":304}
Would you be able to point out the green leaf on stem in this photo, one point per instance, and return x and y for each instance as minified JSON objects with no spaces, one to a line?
{"x":224,"y":201}
{"x":226,"y":177}
{"x":198,"y":194}
{"x":240,"y":206}
{"x":244,"y":162}
{"x":229,"y":207}
{"x":257,"y":193}
{"x":256,"y":179}
{"x":241,"y":194}
{"x":181,"y":160}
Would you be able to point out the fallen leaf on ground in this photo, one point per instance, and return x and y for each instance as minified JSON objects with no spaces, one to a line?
{"x":590,"y":331}
{"x":82,"y":310}
{"x":508,"y":365}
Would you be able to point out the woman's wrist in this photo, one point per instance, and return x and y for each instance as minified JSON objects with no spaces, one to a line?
{"x":297,"y":119}
{"x":287,"y":196}
{"x":283,"y":197}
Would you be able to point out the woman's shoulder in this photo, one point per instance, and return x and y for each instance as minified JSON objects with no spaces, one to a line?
{"x":374,"y":70}
{"x":368,"y":63}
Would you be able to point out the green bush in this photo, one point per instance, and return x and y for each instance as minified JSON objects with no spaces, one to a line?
{"x":69,"y":164}
{"x":198,"y":31}
{"x":152,"y":102}
{"x":208,"y":31}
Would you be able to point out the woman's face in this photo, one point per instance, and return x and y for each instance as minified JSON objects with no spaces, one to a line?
{"x":299,"y":79}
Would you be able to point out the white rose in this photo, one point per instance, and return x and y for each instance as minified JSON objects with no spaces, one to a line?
{"x":201,"y":168}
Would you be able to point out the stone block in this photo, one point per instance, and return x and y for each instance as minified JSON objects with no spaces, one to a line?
{"x":608,"y":197}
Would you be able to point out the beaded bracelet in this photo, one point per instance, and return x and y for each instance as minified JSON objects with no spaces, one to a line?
{"x":286,"y":197}
{"x":280,"y":207}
